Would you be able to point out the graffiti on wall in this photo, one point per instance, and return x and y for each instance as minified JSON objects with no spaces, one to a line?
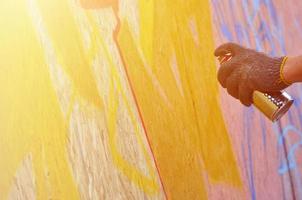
{"x":108,"y":99}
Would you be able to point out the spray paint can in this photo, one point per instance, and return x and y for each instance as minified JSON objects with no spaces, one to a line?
{"x":272,"y":105}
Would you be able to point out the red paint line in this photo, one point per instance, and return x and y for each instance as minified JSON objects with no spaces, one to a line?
{"x":114,"y":4}
{"x":115,"y":34}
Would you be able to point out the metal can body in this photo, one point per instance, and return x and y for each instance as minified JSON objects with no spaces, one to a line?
{"x":273,"y":105}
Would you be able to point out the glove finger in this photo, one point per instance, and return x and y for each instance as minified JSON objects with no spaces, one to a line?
{"x":245,"y":94}
{"x":232,"y":85}
{"x":227,"y":48}
{"x":225,"y":71}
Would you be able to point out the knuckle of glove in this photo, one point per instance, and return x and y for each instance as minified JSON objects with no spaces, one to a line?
{"x":226,"y":70}
{"x":232,"y":85}
{"x":227,"y":48}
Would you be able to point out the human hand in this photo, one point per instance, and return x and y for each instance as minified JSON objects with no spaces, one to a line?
{"x":248,"y":70}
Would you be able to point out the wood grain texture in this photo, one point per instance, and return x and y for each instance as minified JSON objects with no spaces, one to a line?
{"x":108,"y":99}
{"x":23,"y":186}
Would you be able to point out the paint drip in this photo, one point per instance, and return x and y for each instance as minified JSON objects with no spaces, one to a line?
{"x":272,"y":105}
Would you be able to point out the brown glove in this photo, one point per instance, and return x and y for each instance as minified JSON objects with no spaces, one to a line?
{"x":248,"y":70}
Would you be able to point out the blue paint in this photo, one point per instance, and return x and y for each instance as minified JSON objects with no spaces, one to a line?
{"x":283,"y":189}
{"x":284,"y":167}
{"x":272,"y":11}
{"x":281,"y":155}
{"x":249,"y":164}
{"x":266,"y":36}
{"x":256,"y":5}
{"x":296,"y":104}
{"x":240,"y":35}
{"x":246,"y":31}
{"x":252,"y":184}
{"x":298,"y":26}
{"x":226,"y":32}
{"x":289,"y":163}
{"x":290,"y":117}
{"x":298,"y":182}
{"x":263,"y":131}
{"x":297,"y":101}
{"x":250,"y":18}
{"x":258,"y":31}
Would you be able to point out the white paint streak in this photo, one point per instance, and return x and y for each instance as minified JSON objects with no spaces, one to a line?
{"x":194,"y":31}
{"x":23,"y":186}
{"x":175,"y":70}
{"x":62,"y":83}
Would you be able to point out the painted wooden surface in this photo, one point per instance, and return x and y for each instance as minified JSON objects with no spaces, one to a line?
{"x":108,"y":99}
{"x":269,"y":154}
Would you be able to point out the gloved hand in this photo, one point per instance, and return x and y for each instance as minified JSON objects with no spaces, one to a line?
{"x":248,"y":70}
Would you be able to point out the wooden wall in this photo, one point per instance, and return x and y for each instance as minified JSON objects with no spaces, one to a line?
{"x":108,"y":99}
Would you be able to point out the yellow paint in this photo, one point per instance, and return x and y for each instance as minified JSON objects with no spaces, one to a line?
{"x":68,"y":46}
{"x":31,"y":120}
{"x":201,"y":76}
{"x":192,"y":128}
{"x":83,"y":61}
{"x":148,"y":184}
{"x":185,"y":128}
{"x":81,"y":76}
{"x":146,"y":10}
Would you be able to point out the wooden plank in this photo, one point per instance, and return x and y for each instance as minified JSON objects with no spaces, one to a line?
{"x":265,"y":26}
{"x":107,"y":99}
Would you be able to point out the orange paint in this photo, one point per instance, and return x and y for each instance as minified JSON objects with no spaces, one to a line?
{"x":179,"y":170}
{"x":115,"y":38}
{"x":96,"y":4}
{"x":193,"y":128}
{"x":114,"y":4}
{"x":148,"y":184}
{"x":190,"y":131}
